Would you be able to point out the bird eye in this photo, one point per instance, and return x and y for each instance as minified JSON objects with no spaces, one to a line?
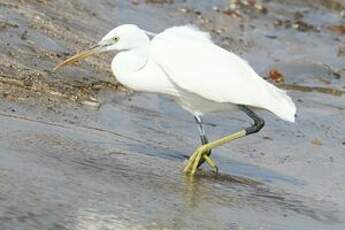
{"x":115,"y":39}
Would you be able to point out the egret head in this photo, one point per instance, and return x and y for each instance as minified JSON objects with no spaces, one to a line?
{"x":124,"y":37}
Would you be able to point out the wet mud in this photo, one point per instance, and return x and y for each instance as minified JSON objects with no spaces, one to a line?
{"x":79,"y":151}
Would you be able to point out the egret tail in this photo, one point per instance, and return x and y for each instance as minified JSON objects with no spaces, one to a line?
{"x":281,"y":104}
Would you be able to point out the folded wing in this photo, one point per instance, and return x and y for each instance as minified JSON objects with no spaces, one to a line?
{"x":194,"y":63}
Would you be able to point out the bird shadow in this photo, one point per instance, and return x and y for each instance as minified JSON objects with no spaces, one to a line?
{"x":237,"y":191}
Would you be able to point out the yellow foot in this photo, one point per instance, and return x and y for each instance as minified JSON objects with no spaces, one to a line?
{"x":196,"y":157}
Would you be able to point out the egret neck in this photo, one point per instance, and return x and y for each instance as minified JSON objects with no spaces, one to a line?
{"x":130,"y":61}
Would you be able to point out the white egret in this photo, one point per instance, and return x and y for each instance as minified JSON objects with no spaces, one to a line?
{"x":202,"y":77}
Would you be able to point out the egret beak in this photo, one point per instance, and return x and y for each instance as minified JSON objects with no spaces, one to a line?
{"x":79,"y":56}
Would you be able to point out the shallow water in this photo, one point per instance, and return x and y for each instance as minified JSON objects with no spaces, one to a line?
{"x":70,"y":176}
{"x":64,"y":165}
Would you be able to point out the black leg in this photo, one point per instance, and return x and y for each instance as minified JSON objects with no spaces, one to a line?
{"x":259,"y":123}
{"x":202,"y":153}
{"x":203,"y":136}
{"x":202,"y":132}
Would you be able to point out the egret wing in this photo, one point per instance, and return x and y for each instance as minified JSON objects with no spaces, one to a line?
{"x":214,"y":73}
{"x":187,"y":32}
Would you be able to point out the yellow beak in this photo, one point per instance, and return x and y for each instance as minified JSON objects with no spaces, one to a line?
{"x":77,"y":57}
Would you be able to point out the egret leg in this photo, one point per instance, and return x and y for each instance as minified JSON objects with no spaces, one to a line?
{"x":202,"y":151}
{"x":202,"y":132}
{"x":204,"y":141}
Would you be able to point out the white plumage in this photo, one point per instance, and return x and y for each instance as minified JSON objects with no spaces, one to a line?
{"x":183,"y":62}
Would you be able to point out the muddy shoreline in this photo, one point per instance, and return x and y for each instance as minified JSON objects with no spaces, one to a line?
{"x":79,"y":151}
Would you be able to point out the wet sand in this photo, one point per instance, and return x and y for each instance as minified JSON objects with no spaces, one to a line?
{"x":79,"y":151}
